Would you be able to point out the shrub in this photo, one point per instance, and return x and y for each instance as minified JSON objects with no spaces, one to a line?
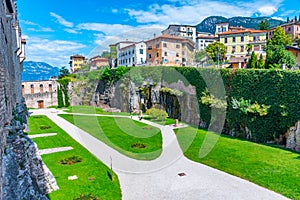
{"x":87,"y":197}
{"x":43,"y":127}
{"x":70,"y":160}
{"x":157,"y":114}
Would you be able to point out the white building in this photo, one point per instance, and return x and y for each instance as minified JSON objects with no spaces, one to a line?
{"x":119,"y":47}
{"x":133,"y":55}
{"x":204,"y":39}
{"x":186,"y":31}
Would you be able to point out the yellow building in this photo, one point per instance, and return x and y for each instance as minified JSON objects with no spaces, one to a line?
{"x":170,"y":50}
{"x":240,"y":42}
{"x":76,"y":62}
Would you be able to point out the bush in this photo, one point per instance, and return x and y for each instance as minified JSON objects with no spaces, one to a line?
{"x":71,"y":160}
{"x":157,"y":114}
{"x":87,"y":197}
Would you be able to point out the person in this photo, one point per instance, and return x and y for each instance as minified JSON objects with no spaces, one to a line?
{"x":141,"y":115}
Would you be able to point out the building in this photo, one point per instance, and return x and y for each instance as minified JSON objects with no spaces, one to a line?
{"x":40,"y":94}
{"x":117,"y":48}
{"x":76,"y":62}
{"x":98,"y":62}
{"x":221,"y":27}
{"x":239,"y":43}
{"x":170,"y":50}
{"x":133,"y":54}
{"x":203,"y":40}
{"x":296,"y":52}
{"x":185,"y":31}
{"x":291,"y":28}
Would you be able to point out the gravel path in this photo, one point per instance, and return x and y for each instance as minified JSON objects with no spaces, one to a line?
{"x":171,"y":176}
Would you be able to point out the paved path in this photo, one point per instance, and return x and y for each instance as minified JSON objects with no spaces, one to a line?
{"x":54,"y":150}
{"x":158,"y":179}
{"x":42,"y":135}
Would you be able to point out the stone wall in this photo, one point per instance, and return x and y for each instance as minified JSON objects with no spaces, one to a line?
{"x":48,"y":99}
{"x":22,"y":175}
{"x":293,"y":137}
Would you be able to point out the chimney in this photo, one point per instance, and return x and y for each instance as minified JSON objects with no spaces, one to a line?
{"x":154,"y":35}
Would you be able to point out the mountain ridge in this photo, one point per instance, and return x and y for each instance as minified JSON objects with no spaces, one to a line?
{"x":38,"y":71}
{"x":209,"y":23}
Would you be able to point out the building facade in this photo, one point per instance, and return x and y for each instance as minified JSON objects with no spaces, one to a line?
{"x":98,"y":62}
{"x":118,"y":47}
{"x":133,"y":55}
{"x":40,"y":94}
{"x":291,"y":28}
{"x":203,"y":40}
{"x":239,"y":43}
{"x":185,"y":31}
{"x":296,"y":52}
{"x":76,"y":62}
{"x":170,"y":50}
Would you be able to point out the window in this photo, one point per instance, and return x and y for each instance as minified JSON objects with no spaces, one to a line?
{"x":242,"y":48}
{"x":157,"y":54}
{"x":50,"y":87}
{"x":150,"y":48}
{"x":233,"y":49}
{"x":133,"y":59}
{"x":23,"y":89}
{"x":41,"y":88}
{"x":141,"y":51}
{"x":32,"y":89}
{"x":149,"y":55}
{"x":225,"y":40}
{"x":133,"y":51}
{"x":142,"y":61}
{"x":242,"y":39}
{"x":177,"y":54}
{"x":254,"y":38}
{"x":166,"y":54}
{"x":165,"y":45}
{"x":157,"y":46}
{"x":233,"y":39}
{"x":177,"y":46}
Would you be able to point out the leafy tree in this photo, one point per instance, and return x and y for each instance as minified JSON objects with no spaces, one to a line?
{"x":279,"y":38}
{"x":67,"y":103}
{"x":264,"y":25}
{"x":60,"y":100}
{"x":216,"y":51}
{"x":63,"y":72}
{"x":280,"y":57}
{"x":105,"y":54}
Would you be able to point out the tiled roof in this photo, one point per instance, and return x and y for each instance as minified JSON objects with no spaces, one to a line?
{"x":243,"y":31}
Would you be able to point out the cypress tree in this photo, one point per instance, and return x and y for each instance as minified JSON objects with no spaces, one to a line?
{"x":66,"y":96}
{"x":60,"y":100}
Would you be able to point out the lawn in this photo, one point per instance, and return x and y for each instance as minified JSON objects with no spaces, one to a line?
{"x":131,"y":138}
{"x":91,"y":110}
{"x":270,"y":167}
{"x":92,"y":174}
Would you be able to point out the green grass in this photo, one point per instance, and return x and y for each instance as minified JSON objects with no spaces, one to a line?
{"x":273,"y":168}
{"x":91,"y":110}
{"x":121,"y":134}
{"x":90,"y":168}
{"x":168,"y":121}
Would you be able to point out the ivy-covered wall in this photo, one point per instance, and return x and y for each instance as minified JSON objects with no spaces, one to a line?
{"x":262,"y":102}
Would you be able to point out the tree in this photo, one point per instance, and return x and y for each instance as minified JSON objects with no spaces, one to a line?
{"x":216,"y":51}
{"x":63,"y":72}
{"x":253,"y":62}
{"x":60,"y":100}
{"x":264,"y":25}
{"x":279,"y":38}
{"x":280,"y":57}
{"x":105,"y":54}
{"x":199,"y":55}
{"x":261,"y":62}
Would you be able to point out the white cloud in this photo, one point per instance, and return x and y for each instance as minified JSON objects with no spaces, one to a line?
{"x":114,"y":10}
{"x":278,"y":18}
{"x":61,"y":20}
{"x":41,"y":29}
{"x":267,"y":10}
{"x":54,"y":52}
{"x":73,"y":31}
{"x":28,"y":23}
{"x":108,"y":29}
{"x":193,"y":12}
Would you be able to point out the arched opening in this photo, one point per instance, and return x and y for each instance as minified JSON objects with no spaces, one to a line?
{"x":32,"y":89}
{"x":50,"y":88}
{"x":23,"y":89}
{"x":41,"y":88}
{"x":40,"y":104}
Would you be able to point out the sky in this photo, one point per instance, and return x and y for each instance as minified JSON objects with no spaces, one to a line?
{"x":55,"y":30}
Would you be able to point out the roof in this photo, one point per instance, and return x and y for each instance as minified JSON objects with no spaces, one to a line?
{"x":286,"y":24}
{"x":77,"y":56}
{"x":237,"y":60}
{"x":180,"y":25}
{"x":243,"y":31}
{"x":206,"y":37}
{"x":166,"y":36}
{"x":292,"y":48}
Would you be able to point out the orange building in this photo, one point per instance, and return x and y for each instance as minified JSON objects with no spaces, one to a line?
{"x":170,"y":50}
{"x":296,"y":52}
{"x":98,"y":62}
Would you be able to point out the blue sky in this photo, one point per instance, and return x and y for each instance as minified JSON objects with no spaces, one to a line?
{"x":55,"y":30}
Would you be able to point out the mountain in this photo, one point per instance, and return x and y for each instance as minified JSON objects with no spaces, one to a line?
{"x":36,"y":71}
{"x":208,"y":24}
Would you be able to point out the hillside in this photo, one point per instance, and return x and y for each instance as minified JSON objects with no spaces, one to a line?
{"x":208,"y":24}
{"x":35,"y":71}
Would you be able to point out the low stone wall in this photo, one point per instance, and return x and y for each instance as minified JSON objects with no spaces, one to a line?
{"x":293,"y":137}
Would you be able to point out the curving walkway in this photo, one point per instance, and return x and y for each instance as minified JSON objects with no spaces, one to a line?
{"x":158,"y":179}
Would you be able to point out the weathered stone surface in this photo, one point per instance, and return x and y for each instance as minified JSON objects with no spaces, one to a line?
{"x":293,"y":137}
{"x":22,"y":172}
